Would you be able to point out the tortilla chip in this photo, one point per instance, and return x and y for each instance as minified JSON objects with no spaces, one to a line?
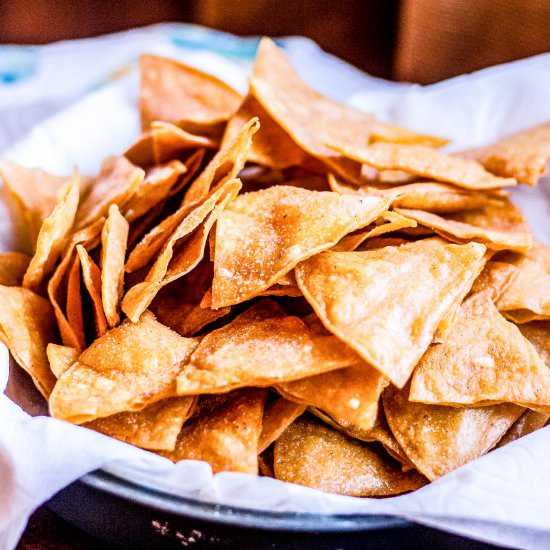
{"x":156,"y":427}
{"x":61,"y":358}
{"x":349,"y":396}
{"x":310,"y":119}
{"x":260,"y":347}
{"x":116,"y":183}
{"x":114,"y":238}
{"x":53,"y":236}
{"x":164,"y":142}
{"x":287,"y":224}
{"x":126,"y":369}
{"x":361,"y":297}
{"x":538,"y":333}
{"x":425,"y":162}
{"x":27,"y":324}
{"x":278,"y":416}
{"x":35,"y":192}
{"x":484,"y":360}
{"x":528,"y":422}
{"x":12,"y":268}
{"x":227,"y":436}
{"x":440,"y":439}
{"x":382,"y":131}
{"x":523,"y":156}
{"x":495,"y":278}
{"x":73,"y":304}
{"x":527,"y":298}
{"x":92,"y":281}
{"x":171,"y":265}
{"x":317,"y":456}
{"x":172,"y":92}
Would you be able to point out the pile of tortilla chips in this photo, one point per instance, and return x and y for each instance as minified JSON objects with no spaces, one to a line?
{"x":281,"y":284}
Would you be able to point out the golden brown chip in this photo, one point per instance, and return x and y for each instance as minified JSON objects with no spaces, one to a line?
{"x":527,"y":298}
{"x":12,"y":268}
{"x":61,"y":358}
{"x":312,"y":120}
{"x":225,"y":437}
{"x":260,"y":347}
{"x":387,"y":303}
{"x":114,"y":238}
{"x":382,"y":131}
{"x":484,"y":360}
{"x":522,"y":156}
{"x":528,"y":422}
{"x":27,"y":324}
{"x":425,"y":162}
{"x":156,"y":427}
{"x":53,"y":235}
{"x":91,"y":275}
{"x":172,"y":91}
{"x":116,"y":183}
{"x":349,"y":396}
{"x":128,"y":368}
{"x":171,"y":265}
{"x":317,"y":456}
{"x":495,"y":278}
{"x":283,"y":225}
{"x":278,"y":416}
{"x":73,"y":304}
{"x":538,"y":333}
{"x":440,"y":439}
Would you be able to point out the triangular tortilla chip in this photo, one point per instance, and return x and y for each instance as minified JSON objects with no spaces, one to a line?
{"x":382,"y":131}
{"x":260,"y":347}
{"x":116,"y":183}
{"x":53,"y":236}
{"x":495,"y":278}
{"x":227,"y":436}
{"x":172,"y":91}
{"x":128,"y":368}
{"x":73,"y":304}
{"x":425,"y":162}
{"x":317,"y":456}
{"x":350,"y":396}
{"x":362,"y":297}
{"x":500,"y":226}
{"x":91,"y":275}
{"x":527,"y":298}
{"x":528,"y":422}
{"x":440,"y":439}
{"x":484,"y":360}
{"x":312,"y":120}
{"x":261,"y":236}
{"x":523,"y":156}
{"x":278,"y":416}
{"x":114,"y":238}
{"x":12,"y":268}
{"x":170,"y":265}
{"x":27,"y":324}
{"x":61,"y":358}
{"x":156,"y":427}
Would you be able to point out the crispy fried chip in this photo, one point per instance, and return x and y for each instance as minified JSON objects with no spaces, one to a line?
{"x":285,"y":225}
{"x":171,"y":265}
{"x":528,"y":422}
{"x":278,"y":416}
{"x":440,"y":439}
{"x":484,"y":360}
{"x":425,"y":162}
{"x":382,"y":131}
{"x":522,"y":156}
{"x":312,"y":120}
{"x":317,"y":456}
{"x":172,"y":91}
{"x":27,"y":324}
{"x":128,"y":368}
{"x":527,"y":298}
{"x":156,"y":427}
{"x":91,"y":275}
{"x":116,"y":183}
{"x":12,"y":268}
{"x":61,"y":358}
{"x":225,"y":437}
{"x":260,"y":347}
{"x":114,"y":238}
{"x":362,"y":297}
{"x":538,"y":333}
{"x":495,"y":278}
{"x":53,"y":235}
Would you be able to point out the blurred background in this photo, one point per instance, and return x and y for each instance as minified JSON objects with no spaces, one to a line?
{"x":420,"y":41}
